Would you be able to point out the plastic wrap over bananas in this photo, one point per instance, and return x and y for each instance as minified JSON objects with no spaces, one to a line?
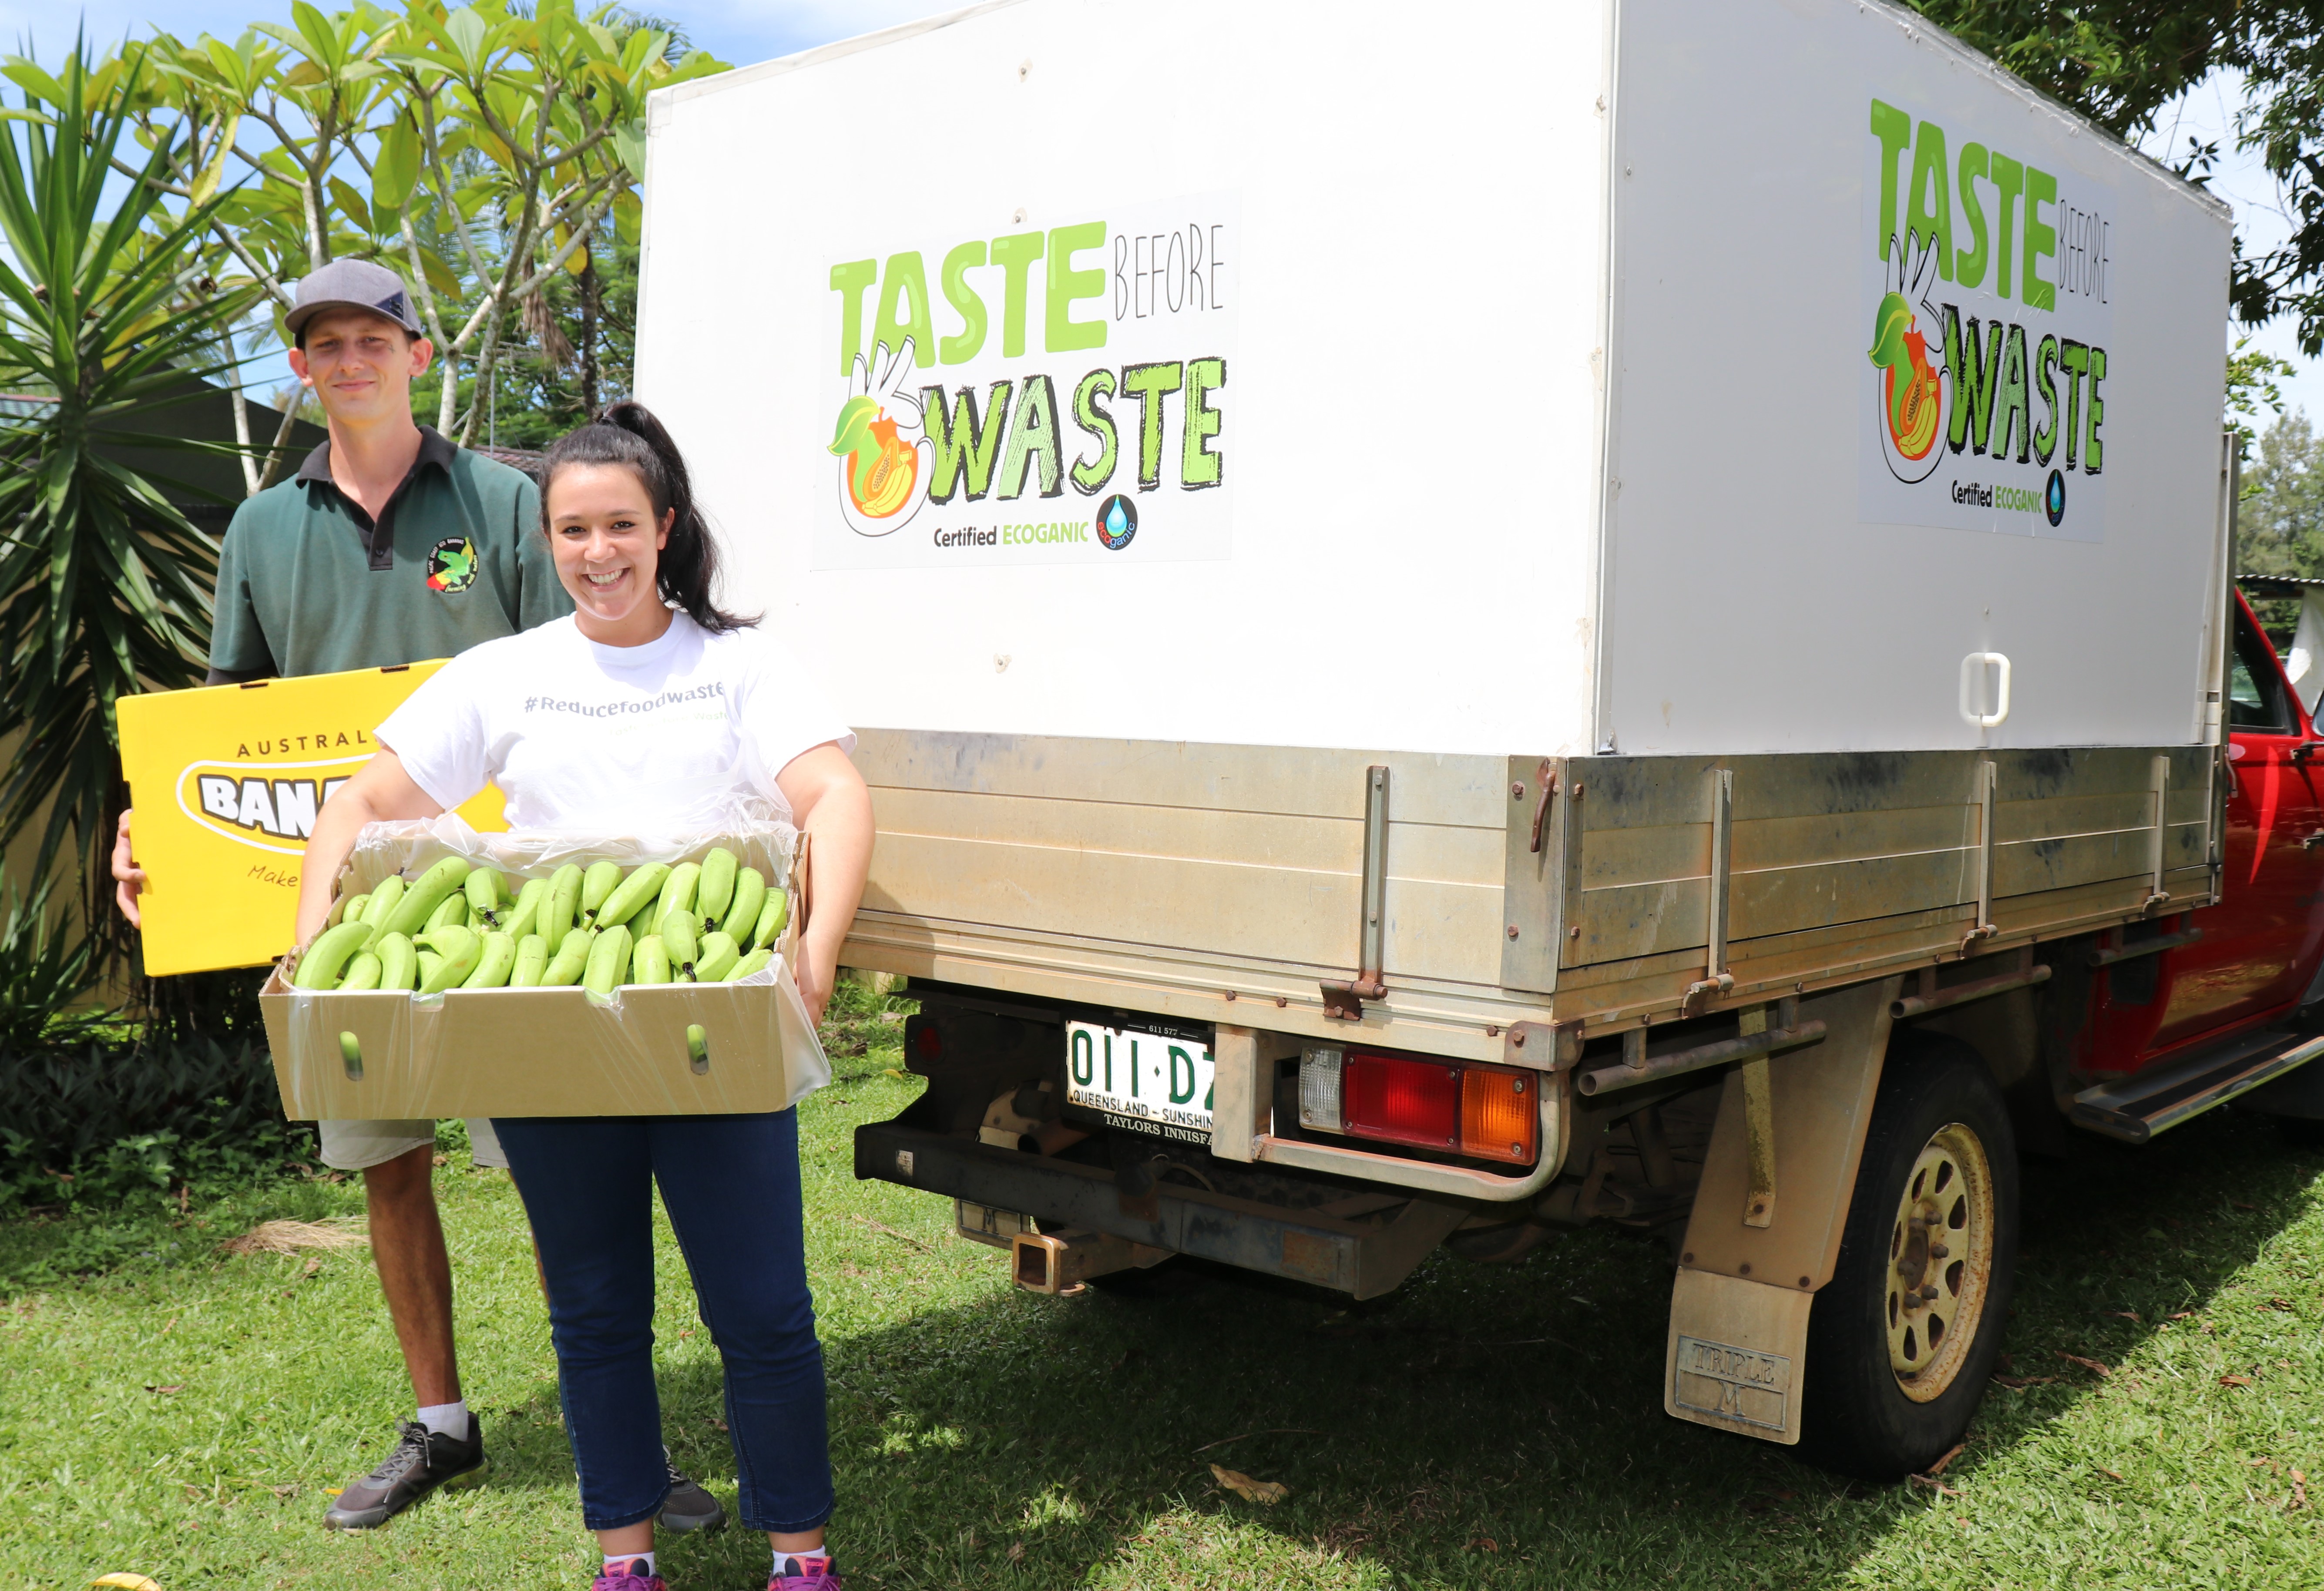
{"x":553,"y":973}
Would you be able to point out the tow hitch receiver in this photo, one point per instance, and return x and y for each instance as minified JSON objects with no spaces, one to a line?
{"x":1053,"y":1261}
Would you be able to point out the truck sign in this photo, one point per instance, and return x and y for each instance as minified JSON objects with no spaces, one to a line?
{"x":1038,"y":396}
{"x":1985,"y":383}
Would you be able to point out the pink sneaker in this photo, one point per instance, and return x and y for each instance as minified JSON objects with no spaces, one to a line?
{"x":633,"y":1579}
{"x":808,"y":1574}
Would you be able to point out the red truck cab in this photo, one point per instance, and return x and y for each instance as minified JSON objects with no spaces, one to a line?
{"x":2183,"y":992}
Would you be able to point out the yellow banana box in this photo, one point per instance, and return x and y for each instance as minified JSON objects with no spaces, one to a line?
{"x":225,"y":782}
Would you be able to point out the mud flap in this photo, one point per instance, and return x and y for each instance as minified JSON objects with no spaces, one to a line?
{"x":1738,"y":1329}
{"x":1736,"y":1352}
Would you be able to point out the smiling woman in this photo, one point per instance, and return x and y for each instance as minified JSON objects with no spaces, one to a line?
{"x":650,"y":700}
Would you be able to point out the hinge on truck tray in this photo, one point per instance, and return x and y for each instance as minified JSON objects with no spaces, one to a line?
{"x":1344,"y":1001}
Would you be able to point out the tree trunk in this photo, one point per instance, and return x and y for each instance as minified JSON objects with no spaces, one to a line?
{"x":589,"y":338}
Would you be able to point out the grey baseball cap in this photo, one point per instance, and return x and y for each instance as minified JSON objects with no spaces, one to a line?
{"x":352,"y":284}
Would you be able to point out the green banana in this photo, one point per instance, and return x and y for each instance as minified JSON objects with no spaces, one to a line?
{"x":419,"y":900}
{"x":631,"y":896}
{"x":565,"y":967}
{"x":531,"y":961}
{"x":486,"y":894}
{"x":451,"y":912}
{"x":493,"y":962}
{"x":756,"y":961}
{"x":383,"y":902}
{"x":771,"y":918}
{"x":680,"y":935}
{"x":741,"y":913}
{"x":715,"y":892}
{"x":609,"y":957}
{"x":525,"y":916}
{"x":320,"y":966}
{"x":678,"y":890}
{"x":461,"y":950}
{"x":716,"y":958}
{"x":349,"y":909}
{"x":363,"y":972}
{"x":597,"y":887}
{"x":399,"y":963}
{"x":649,"y":962}
{"x":425,"y":963}
{"x":564,"y":903}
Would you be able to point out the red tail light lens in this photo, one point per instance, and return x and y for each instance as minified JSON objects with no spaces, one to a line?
{"x":1402,"y":1102}
{"x":1481,"y":1112}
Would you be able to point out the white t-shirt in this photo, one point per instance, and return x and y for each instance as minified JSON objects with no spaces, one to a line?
{"x":583,"y":736}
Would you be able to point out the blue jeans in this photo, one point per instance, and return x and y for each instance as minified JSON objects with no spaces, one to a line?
{"x":730,"y":1184}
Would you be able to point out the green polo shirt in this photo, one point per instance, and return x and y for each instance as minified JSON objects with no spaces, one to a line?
{"x":307,"y":584}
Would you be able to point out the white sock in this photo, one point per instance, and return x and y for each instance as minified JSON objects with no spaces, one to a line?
{"x":449,"y":1419}
{"x":627,"y":1562}
{"x":788,"y":1563}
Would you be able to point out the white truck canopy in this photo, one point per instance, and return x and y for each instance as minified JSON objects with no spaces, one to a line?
{"x":1556,"y":388}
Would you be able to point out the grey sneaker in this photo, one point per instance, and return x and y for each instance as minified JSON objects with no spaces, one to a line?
{"x":688,"y":1507}
{"x":422,"y":1461}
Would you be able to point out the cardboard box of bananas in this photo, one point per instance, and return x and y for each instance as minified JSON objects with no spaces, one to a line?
{"x":461,"y":974}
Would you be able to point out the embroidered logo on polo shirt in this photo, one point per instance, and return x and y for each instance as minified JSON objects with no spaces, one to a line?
{"x":452,"y":566}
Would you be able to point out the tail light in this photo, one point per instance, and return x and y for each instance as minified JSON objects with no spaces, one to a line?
{"x":1482,"y":1112}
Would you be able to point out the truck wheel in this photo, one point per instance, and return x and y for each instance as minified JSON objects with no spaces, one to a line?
{"x":1902,"y":1341}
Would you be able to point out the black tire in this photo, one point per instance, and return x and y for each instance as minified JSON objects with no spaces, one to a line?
{"x":1863,"y":1414}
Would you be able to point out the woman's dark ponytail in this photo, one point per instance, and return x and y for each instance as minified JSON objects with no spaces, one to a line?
{"x":627,"y":433}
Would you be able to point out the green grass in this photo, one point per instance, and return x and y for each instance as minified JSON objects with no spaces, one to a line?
{"x":180,"y":1414}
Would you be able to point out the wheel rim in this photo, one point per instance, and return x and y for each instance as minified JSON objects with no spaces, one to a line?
{"x":1939,"y":1261}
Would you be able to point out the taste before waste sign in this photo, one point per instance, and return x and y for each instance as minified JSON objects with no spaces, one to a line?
{"x":1058,"y":395}
{"x":1990,"y":284}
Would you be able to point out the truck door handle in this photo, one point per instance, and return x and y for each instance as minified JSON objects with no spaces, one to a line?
{"x":1972,"y":689}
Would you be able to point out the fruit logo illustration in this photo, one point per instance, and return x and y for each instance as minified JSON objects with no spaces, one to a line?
{"x":452,"y":566}
{"x":883,"y":453}
{"x":1909,"y":351}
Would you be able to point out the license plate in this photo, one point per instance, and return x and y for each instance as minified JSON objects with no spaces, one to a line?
{"x":1154,"y":1082}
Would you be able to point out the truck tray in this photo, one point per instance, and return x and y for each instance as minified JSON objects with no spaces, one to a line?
{"x":1234,"y":884}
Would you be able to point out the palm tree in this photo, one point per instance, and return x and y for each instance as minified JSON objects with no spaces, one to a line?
{"x":104,"y":585}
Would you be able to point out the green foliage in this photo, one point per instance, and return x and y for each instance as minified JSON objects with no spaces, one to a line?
{"x":482,"y":149}
{"x":42,"y":975}
{"x":2117,"y":61}
{"x":103,"y":1126}
{"x":2253,"y":385}
{"x":104,"y":585}
{"x":2120,"y":62}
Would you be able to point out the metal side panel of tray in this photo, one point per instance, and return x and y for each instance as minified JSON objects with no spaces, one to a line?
{"x":1365,"y":1258}
{"x":1227,"y":883}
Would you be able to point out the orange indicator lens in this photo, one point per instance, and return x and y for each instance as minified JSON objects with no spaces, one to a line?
{"x":1500,"y":1116}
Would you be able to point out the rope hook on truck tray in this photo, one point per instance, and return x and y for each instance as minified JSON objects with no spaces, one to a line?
{"x":1343,"y":1000}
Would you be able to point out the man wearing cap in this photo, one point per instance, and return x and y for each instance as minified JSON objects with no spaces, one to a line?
{"x":390,"y":546}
